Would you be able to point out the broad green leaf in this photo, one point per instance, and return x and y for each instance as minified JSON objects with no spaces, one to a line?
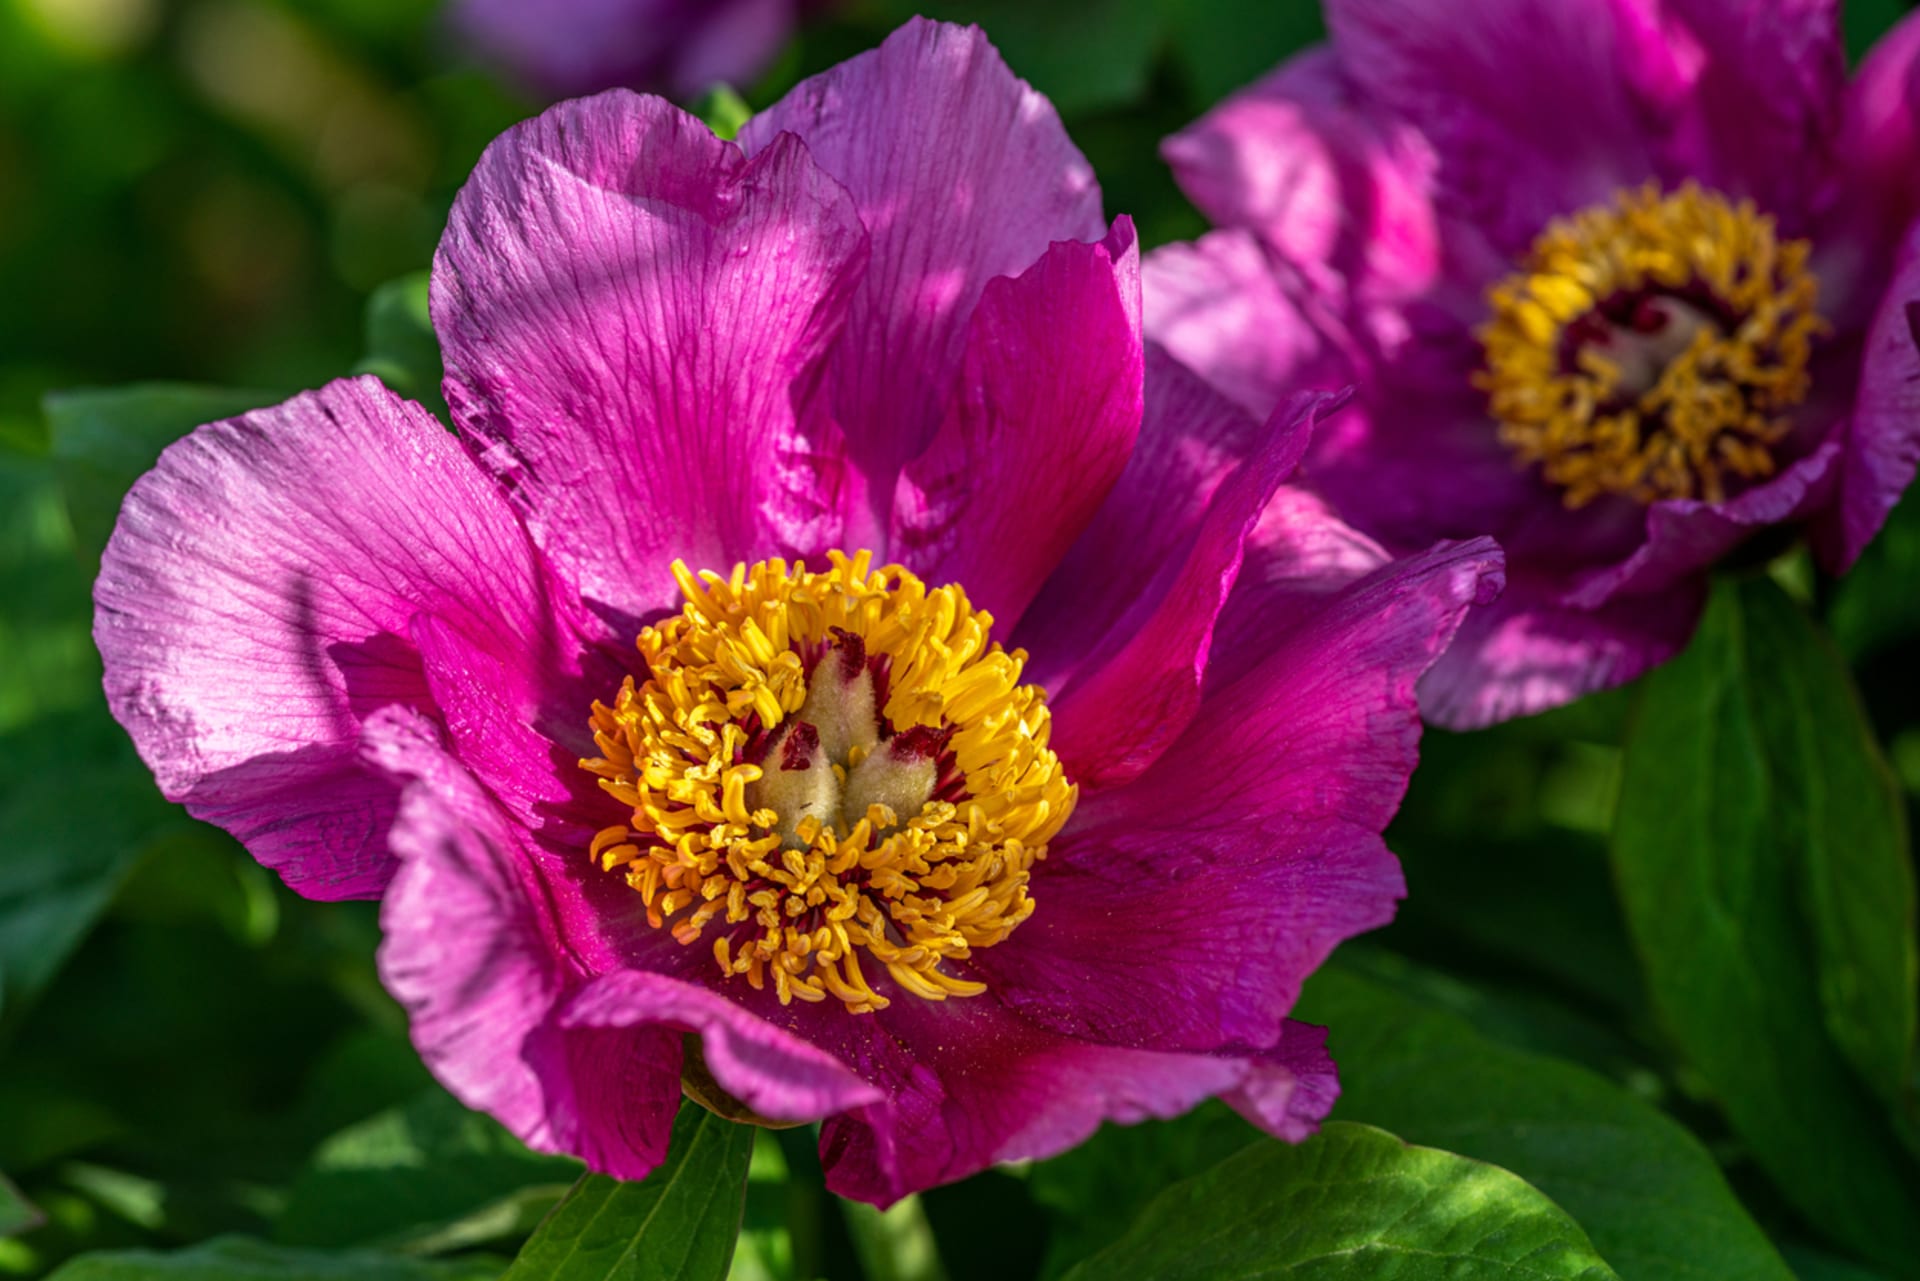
{"x":1352,"y":1203}
{"x":47,"y":660}
{"x":679,"y":1222}
{"x":1224,"y":45}
{"x":1874,"y":607}
{"x":1092,"y":1192}
{"x":105,"y":439}
{"x":79,"y":813}
{"x":402,"y":349}
{"x":430,"y":1172}
{"x":1761,"y":865}
{"x":1841,"y":807}
{"x":17,"y":1214}
{"x":1647,"y":1193}
{"x":238,"y":1259}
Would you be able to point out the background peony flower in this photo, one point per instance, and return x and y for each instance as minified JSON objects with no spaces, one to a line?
{"x":892,"y":318}
{"x":681,"y":47}
{"x":1396,"y":210}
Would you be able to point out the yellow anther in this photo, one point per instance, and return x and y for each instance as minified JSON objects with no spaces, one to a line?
{"x":747,"y":812}
{"x":1652,"y":348}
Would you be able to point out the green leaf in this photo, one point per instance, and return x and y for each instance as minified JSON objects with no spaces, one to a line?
{"x":678,"y":1222}
{"x":17,"y":1214}
{"x":1094,"y":1191}
{"x":418,"y":1174}
{"x":1102,"y":59}
{"x":724,"y":111}
{"x":1224,"y":45}
{"x":1875,"y":607}
{"x":402,"y":349}
{"x":1352,"y":1203}
{"x":104,"y":440}
{"x":1762,"y":868}
{"x":1864,"y":21}
{"x":47,"y":660}
{"x":1647,"y":1193}
{"x":82,"y":813}
{"x":238,"y":1259}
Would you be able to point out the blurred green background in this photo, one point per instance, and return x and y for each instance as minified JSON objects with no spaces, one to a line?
{"x":213,"y":192}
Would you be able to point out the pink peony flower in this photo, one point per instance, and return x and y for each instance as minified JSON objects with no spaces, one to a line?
{"x":682,"y":47}
{"x":1623,"y":283}
{"x":818,"y":847}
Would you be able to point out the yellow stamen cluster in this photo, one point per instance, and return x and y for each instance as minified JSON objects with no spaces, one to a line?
{"x":739,"y":798}
{"x":1693,"y":395}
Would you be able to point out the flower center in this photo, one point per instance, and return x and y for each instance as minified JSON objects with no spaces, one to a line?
{"x":1651,"y":348}
{"x":826,"y":765}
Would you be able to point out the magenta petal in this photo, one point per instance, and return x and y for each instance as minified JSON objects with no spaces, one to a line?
{"x":969,"y":1084}
{"x":766,"y":1067}
{"x":255,"y":605}
{"x":1299,"y":554}
{"x":1528,"y":651}
{"x":1224,"y":308}
{"x":1878,"y":152}
{"x":1337,"y":190}
{"x":1770,"y":85}
{"x":961,"y":173}
{"x":1042,"y":423}
{"x":1497,"y":85}
{"x":1252,"y":846}
{"x":1191,"y":440}
{"x":1686,"y":536}
{"x":1140,"y":686}
{"x":473,"y":950}
{"x":625,"y":304}
{"x":1882,"y":443}
{"x":1292,"y":1087}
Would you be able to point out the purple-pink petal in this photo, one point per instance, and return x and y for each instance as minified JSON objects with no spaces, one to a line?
{"x":1138,"y":688}
{"x":961,"y":173}
{"x":475,"y":952}
{"x":1881,"y":445}
{"x":256,"y":604}
{"x":1530,"y":651}
{"x":1497,"y":85}
{"x":1252,"y":846}
{"x":625,"y":304}
{"x":775,"y":1073}
{"x":1043,"y":418}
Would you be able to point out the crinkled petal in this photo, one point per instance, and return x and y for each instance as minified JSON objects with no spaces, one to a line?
{"x":1184,"y":910}
{"x":969,"y":1084}
{"x":1497,"y":85}
{"x":1878,"y":152}
{"x":475,"y":948}
{"x":1882,"y":442}
{"x":626,"y":304}
{"x":961,"y":173}
{"x":255,"y":605}
{"x":1769,"y":85}
{"x":1337,"y":190}
{"x":1191,"y":440}
{"x":1045,"y":416}
{"x":1232,"y":313}
{"x":1140,"y":685}
{"x":1685,"y":536}
{"x":775,"y":1073}
{"x":1528,"y":651}
{"x":1297,"y":555}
